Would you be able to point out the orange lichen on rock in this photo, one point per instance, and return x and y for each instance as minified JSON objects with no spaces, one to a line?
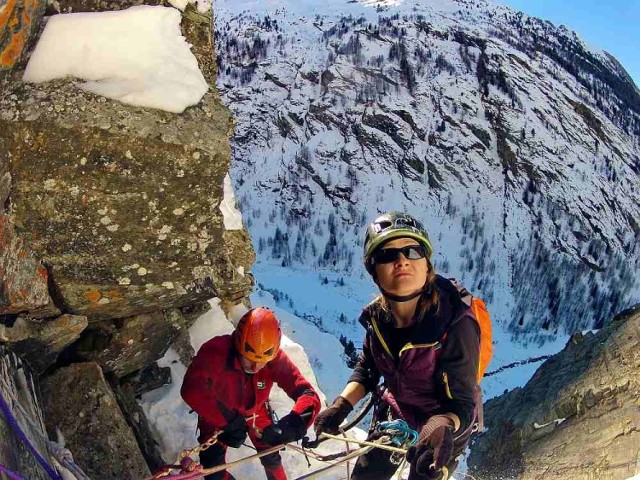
{"x":93,"y":296}
{"x":15,"y":27}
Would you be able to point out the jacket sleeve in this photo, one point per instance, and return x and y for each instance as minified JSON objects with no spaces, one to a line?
{"x":288,"y":377}
{"x":365,"y":372}
{"x":200,"y":388}
{"x":459,"y":369}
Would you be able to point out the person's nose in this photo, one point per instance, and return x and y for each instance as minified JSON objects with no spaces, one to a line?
{"x":401,"y":260}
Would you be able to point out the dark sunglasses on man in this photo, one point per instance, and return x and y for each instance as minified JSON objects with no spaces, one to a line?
{"x":410,"y":252}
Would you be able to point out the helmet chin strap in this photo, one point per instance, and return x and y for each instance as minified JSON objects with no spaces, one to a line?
{"x":401,"y":298}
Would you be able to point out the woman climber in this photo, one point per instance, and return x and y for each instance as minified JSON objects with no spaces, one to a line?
{"x":425,"y":342}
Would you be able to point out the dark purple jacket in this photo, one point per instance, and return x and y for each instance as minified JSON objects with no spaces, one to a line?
{"x":436,"y":371}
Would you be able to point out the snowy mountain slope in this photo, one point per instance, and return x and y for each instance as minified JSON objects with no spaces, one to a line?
{"x":516,"y":144}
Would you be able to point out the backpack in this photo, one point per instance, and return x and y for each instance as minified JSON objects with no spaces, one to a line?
{"x":481,"y":316}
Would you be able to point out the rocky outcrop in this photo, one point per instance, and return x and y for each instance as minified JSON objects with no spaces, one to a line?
{"x":111,"y":242}
{"x":132,"y":197}
{"x":23,"y":280}
{"x":124,"y":346}
{"x":120,"y":203}
{"x":41,"y":342}
{"x":80,"y":404}
{"x":577,"y":418}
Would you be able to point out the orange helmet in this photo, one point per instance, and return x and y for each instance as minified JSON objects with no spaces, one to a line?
{"x":257,"y":336}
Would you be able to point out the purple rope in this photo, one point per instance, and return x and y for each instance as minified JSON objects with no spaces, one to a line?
{"x":4,"y":407}
{"x":9,"y":473}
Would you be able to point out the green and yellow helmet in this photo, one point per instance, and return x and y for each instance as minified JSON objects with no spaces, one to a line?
{"x":392,"y":225}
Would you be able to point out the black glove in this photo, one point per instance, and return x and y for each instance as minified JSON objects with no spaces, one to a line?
{"x":433,"y":451}
{"x":290,"y":428}
{"x":329,"y":419}
{"x":235,"y":433}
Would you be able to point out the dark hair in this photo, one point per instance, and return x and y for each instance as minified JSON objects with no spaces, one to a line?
{"x":429,"y":299}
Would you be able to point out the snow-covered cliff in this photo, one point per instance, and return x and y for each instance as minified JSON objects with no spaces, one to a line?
{"x":517,"y":144}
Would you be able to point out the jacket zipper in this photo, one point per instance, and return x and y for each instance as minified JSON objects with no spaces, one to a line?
{"x":409,"y":346}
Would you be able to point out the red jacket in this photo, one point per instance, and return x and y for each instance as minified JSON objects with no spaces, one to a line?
{"x":217,"y":388}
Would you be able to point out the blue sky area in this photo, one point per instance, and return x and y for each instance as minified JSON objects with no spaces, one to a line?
{"x":613,"y":26}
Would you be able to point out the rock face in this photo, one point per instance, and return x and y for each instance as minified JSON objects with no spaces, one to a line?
{"x":40,"y":343}
{"x":122,"y":202}
{"x":577,"y":418}
{"x":135,"y":214}
{"x":125,"y":346}
{"x":23,"y":280}
{"x":111,"y":243}
{"x":16,"y":383}
{"x":79,"y":402}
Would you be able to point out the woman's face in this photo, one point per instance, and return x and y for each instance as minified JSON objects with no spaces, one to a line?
{"x":402,"y":276}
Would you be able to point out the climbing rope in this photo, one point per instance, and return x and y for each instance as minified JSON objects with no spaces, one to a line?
{"x":381,"y":446}
{"x":61,"y":454}
{"x":190,"y":469}
{"x":10,"y":474}
{"x":15,"y":426}
{"x":351,"y":456}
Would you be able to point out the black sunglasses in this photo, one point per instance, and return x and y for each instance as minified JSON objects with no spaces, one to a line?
{"x":410,"y":252}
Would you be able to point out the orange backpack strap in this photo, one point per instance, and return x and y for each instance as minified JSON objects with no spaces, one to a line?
{"x":481,"y":315}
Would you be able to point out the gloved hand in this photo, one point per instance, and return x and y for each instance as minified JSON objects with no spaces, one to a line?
{"x":330,"y":418}
{"x":235,"y":433}
{"x":290,"y":428}
{"x":433,"y":451}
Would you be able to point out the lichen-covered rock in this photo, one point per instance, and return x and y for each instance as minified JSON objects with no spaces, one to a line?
{"x":5,"y":187}
{"x":16,"y":382}
{"x":123,"y":202}
{"x":40,"y":343}
{"x":78,"y":401}
{"x":123,"y":346}
{"x":577,"y":418}
{"x":19,"y":20}
{"x":23,"y":280}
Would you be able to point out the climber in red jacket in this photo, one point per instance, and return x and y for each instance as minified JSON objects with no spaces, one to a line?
{"x":228,"y":385}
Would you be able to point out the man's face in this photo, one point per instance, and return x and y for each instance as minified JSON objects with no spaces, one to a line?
{"x":251,"y":367}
